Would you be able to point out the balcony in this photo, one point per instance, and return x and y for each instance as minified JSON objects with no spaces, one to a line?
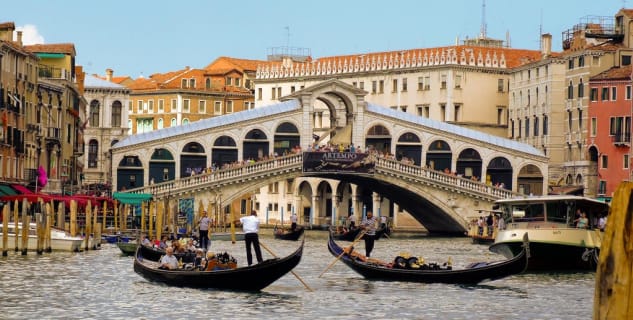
{"x":621,"y":139}
{"x":47,"y":72}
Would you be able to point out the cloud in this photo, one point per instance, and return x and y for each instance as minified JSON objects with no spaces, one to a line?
{"x":30,"y":35}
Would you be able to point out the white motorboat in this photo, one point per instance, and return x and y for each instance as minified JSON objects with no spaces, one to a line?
{"x":557,"y":241}
{"x":60,"y":239}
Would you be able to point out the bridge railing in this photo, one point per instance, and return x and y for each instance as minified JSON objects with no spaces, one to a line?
{"x":160,"y":190}
{"x":443,"y":178}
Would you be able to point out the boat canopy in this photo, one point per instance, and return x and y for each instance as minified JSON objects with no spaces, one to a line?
{"x":132,"y":198}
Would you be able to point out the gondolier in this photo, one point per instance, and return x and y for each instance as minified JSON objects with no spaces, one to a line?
{"x":369,"y":225}
{"x":293,"y":221}
{"x":250,"y":224}
{"x":204,"y":231}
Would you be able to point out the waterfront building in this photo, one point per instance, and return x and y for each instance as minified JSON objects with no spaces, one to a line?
{"x":107,"y":119}
{"x":609,"y":141}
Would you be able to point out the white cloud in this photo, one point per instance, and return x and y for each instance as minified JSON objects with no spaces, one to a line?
{"x":30,"y":35}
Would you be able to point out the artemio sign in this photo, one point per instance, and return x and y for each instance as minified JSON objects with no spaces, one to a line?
{"x":340,"y":162}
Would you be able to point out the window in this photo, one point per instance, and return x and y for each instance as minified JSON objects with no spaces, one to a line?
{"x":457,"y":114}
{"x":202,"y":106}
{"x":442,"y":112}
{"x":159,"y":125}
{"x":626,"y":60}
{"x":217,"y":109}
{"x":602,"y":187}
{"x":279,"y":93}
{"x":570,"y":64}
{"x":625,"y":161}
{"x":404,"y":84}
{"x":511,"y":129}
{"x":403,"y":109}
{"x":527,"y":127}
{"x":443,"y":81}
{"x":229,"y":106}
{"x":173,"y":122}
{"x":292,"y":89}
{"x":536,"y":131}
{"x":394,"y":86}
{"x":545,"y":124}
{"x":605,"y":161}
{"x":150,"y":105}
{"x":605,"y":94}
{"x":620,"y":126}
{"x":259,"y":93}
{"x":420,"y":83}
{"x":93,"y":151}
{"x":238,"y":82}
{"x":381,"y":86}
{"x":185,"y":105}
{"x":207,"y":83}
{"x":579,"y":119}
{"x":192,"y":83}
{"x":374,"y":86}
{"x":594,"y":127}
{"x":570,"y":90}
{"x":593,"y":95}
{"x":427,"y":83}
{"x":581,"y":89}
{"x":94,"y":113}
{"x":581,"y":61}
{"x":627,"y":93}
{"x":273,"y":93}
{"x":458,"y":81}
{"x":500,"y":85}
{"x":355,"y":84}
{"x":174,"y":105}
{"x":361,"y":85}
{"x":569,"y":123}
{"x":229,"y":81}
{"x":161,"y":105}
{"x":423,"y":110}
{"x":183,"y":83}
{"x":116,"y":113}
{"x":500,"y":115}
{"x":130,"y":106}
{"x":614,"y":93}
{"x":139,"y":106}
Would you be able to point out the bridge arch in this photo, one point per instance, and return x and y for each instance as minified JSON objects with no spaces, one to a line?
{"x":286,"y":138}
{"x":469,"y":163}
{"x":130,"y":173}
{"x":255,"y":144}
{"x":378,"y":137}
{"x":499,"y":170}
{"x":530,"y":180}
{"x":162,"y":166}
{"x":193,"y":159}
{"x":409,"y":145}
{"x":224,"y":151}
{"x":439,"y":155}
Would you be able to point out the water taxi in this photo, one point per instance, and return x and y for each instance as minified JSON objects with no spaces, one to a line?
{"x":563,"y":230}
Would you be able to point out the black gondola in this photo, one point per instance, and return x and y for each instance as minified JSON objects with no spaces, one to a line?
{"x":247,"y":278}
{"x":350,"y":235}
{"x":293,"y":235}
{"x":406,"y":270}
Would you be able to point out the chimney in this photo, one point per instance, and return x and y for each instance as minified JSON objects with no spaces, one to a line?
{"x":109,"y":73}
{"x":546,"y":45}
{"x":19,"y":38}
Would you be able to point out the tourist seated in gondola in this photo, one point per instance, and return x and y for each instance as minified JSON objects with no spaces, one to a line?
{"x":169,"y":261}
{"x":146,"y":242}
{"x":190,"y":246}
{"x":199,"y":263}
{"x":178,"y":247}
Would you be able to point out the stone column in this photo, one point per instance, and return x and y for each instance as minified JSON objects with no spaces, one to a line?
{"x":314,"y":210}
{"x":375,"y":204}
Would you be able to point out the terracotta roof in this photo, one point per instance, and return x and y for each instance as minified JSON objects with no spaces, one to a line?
{"x":120,"y":79}
{"x":224,"y":63}
{"x":7,"y":25}
{"x":615,"y":73}
{"x":67,"y":48}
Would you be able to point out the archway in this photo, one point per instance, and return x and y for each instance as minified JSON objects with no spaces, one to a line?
{"x":192,"y":160}
{"x":255,"y":145}
{"x":286,"y":137}
{"x":530,"y":180}
{"x":224,"y":151}
{"x":162,"y":166}
{"x":129,"y":173}
{"x":379,"y":139}
{"x":409,"y":146}
{"x":499,"y":172}
{"x":469,"y":163}
{"x":439,"y":156}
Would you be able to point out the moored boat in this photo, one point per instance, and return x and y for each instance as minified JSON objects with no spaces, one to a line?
{"x":247,"y":278}
{"x":288,"y":234}
{"x":556,"y":241}
{"x":411,"y":269}
{"x":127,"y":248}
{"x":60,"y":239}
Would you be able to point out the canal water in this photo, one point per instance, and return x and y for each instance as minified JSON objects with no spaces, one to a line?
{"x":101,"y":284}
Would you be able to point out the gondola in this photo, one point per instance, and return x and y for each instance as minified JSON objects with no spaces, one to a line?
{"x":246,"y":278}
{"x":402,"y":269}
{"x":154,"y":254}
{"x":127,"y":248}
{"x":350,"y":235}
{"x":293,"y":235}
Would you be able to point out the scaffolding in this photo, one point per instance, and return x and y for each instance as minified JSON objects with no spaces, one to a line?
{"x":599,"y":27}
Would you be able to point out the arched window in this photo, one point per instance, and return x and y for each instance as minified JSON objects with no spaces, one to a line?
{"x":116,"y":113}
{"x":93,"y":151}
{"x":160,"y":123}
{"x":173,"y":122}
{"x":581,"y":89}
{"x":208,"y":83}
{"x":129,"y":126}
{"x":185,"y":121}
{"x":94,"y":113}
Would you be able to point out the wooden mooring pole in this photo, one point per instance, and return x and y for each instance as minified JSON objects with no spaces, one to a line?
{"x":5,"y":230}
{"x":613,"y":297}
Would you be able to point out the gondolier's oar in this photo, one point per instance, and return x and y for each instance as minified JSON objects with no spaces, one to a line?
{"x":360,"y":236}
{"x":291,"y":271}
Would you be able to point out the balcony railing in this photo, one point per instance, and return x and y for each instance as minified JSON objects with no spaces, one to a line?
{"x":621,"y":139}
{"x":53,"y":73}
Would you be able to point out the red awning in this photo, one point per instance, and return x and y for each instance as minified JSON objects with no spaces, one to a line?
{"x":21,"y":189}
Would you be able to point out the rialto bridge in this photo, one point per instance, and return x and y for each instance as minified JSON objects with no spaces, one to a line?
{"x":436,"y":173}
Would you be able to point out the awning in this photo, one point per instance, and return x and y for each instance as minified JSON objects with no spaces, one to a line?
{"x":50,"y":55}
{"x":20,"y":188}
{"x":6,"y":190}
{"x":132,"y":198}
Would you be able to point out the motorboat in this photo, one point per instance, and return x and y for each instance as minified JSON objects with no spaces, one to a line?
{"x":559,"y":239}
{"x":60,"y":239}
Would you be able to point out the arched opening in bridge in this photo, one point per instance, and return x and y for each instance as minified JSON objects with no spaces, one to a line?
{"x":409,"y":147}
{"x":192,"y":159}
{"x":255,"y":145}
{"x":499,"y":171}
{"x":286,"y":137}
{"x":305,"y":209}
{"x":439,"y":156}
{"x":530,"y":180}
{"x":324,"y":190}
{"x":162,"y":166}
{"x":378,"y":138}
{"x":469,"y":163}
{"x":129,"y":173}
{"x":224,"y":151}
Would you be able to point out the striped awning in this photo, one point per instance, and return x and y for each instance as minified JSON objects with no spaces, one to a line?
{"x":6,"y":190}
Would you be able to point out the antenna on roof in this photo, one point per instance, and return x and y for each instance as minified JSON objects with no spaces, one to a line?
{"x":483,"y":19}
{"x":287,"y":36}
{"x":540,"y":32}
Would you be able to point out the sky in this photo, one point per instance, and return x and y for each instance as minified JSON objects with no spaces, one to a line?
{"x":142,"y":37}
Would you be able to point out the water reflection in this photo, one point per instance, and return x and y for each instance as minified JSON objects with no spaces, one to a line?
{"x":102,"y":284}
